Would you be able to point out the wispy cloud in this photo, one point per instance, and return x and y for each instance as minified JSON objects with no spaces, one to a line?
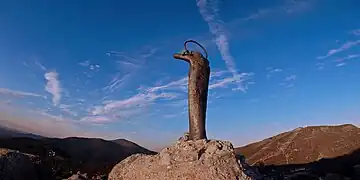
{"x":128,"y":66}
{"x":271,"y":71}
{"x":42,"y":67}
{"x":289,"y":81}
{"x":340,"y":64}
{"x":348,"y":57}
{"x":343,"y":61}
{"x":45,"y":113}
{"x":84,"y":63}
{"x":18,"y":93}
{"x":231,"y":80}
{"x":356,"y":32}
{"x":342,"y":48}
{"x":116,"y":82}
{"x":53,"y":86}
{"x":43,"y":123}
{"x":67,"y":109}
{"x":289,"y":6}
{"x":320,"y":65}
{"x":137,"y":101}
{"x":172,"y":94}
{"x":209,"y":11}
{"x":290,"y":78}
{"x":180,"y":84}
{"x":96,"y":119}
{"x":89,"y":65}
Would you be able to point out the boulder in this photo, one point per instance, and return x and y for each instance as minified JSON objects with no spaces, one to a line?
{"x":16,"y":166}
{"x":185,"y":160}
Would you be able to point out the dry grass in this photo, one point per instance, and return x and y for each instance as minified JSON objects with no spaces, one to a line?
{"x":304,"y":145}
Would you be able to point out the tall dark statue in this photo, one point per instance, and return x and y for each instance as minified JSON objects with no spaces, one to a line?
{"x":199,"y":73}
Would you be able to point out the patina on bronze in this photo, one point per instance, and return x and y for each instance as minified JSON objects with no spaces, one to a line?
{"x":199,"y":73}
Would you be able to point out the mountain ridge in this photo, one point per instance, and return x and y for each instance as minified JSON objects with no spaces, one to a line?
{"x":60,"y":157}
{"x":303,"y":145}
{"x":11,"y":132}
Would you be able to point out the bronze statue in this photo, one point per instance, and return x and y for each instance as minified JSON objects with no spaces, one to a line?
{"x":199,"y":73}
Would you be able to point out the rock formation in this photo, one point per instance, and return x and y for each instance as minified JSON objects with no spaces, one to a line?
{"x":199,"y":74}
{"x":16,"y":166}
{"x":185,"y":160}
{"x":193,"y":156}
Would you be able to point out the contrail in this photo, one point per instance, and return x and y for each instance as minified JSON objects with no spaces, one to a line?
{"x":209,"y":12}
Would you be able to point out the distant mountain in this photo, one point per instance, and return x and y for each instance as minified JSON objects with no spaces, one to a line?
{"x":69,"y":155}
{"x":130,"y":146}
{"x":7,"y":132}
{"x":303,"y":145}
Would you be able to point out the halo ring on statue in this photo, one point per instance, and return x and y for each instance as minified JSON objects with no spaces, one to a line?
{"x":202,"y":47}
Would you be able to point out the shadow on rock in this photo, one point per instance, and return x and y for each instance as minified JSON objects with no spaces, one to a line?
{"x":342,"y":167}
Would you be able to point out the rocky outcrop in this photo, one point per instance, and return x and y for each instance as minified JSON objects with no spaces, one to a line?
{"x":16,"y":166}
{"x":186,"y":159}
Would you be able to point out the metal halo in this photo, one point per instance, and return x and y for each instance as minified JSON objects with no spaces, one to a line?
{"x":202,"y":47}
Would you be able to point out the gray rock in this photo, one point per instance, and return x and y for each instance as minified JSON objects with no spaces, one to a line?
{"x":16,"y":166}
{"x":185,"y":160}
{"x":78,"y":176}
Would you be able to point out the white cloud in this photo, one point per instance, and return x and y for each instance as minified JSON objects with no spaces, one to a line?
{"x":42,"y":67}
{"x":218,"y":79}
{"x":340,"y":64}
{"x":18,"y":93}
{"x":209,"y":12}
{"x":225,"y":82}
{"x":149,"y":53}
{"x":290,"y":78}
{"x":342,"y":48}
{"x":45,"y":113}
{"x":43,"y":123}
{"x":356,"y":32}
{"x":180,"y":84}
{"x":348,"y":57}
{"x":214,"y":74}
{"x":84,"y":63}
{"x":96,"y":119}
{"x":320,"y":65}
{"x":89,"y":65}
{"x":53,"y":86}
{"x":173,"y":92}
{"x":289,"y":6}
{"x":289,"y":81}
{"x":127,"y":66}
{"x":116,"y":82}
{"x":271,"y":71}
{"x":67,"y":109}
{"x":136,"y":101}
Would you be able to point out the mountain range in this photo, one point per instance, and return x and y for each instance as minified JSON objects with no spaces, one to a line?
{"x":68,"y":155}
{"x":305,"y":147}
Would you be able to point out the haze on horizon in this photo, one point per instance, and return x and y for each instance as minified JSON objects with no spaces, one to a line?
{"x":105,"y":69}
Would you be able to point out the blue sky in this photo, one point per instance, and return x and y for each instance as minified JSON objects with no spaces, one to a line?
{"x":105,"y":69}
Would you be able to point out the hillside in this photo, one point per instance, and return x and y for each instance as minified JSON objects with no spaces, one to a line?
{"x":304,"y":145}
{"x":93,"y":156}
{"x":7,"y":132}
